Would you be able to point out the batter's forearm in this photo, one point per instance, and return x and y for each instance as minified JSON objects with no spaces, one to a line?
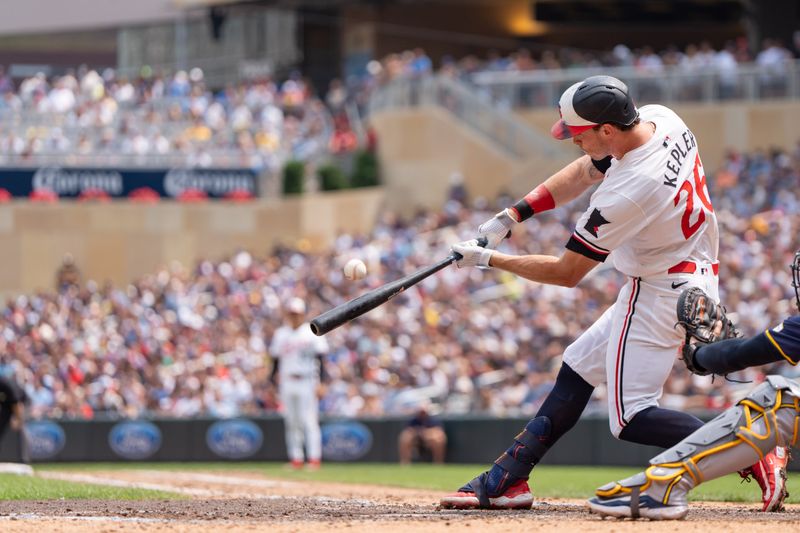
{"x":559,"y":189}
{"x":572,"y":180}
{"x":321,"y":361}
{"x":17,"y":416}
{"x":276,"y":363}
{"x":540,"y":268}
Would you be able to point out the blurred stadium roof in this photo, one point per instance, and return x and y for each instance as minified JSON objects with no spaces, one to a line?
{"x":332,"y":33}
{"x":42,"y":16}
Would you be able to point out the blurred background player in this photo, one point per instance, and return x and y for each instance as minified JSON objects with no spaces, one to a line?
{"x":298,"y":365}
{"x":12,"y":413}
{"x":423,"y":432}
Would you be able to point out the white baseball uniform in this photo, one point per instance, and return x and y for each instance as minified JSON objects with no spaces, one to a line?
{"x":298,"y":351}
{"x":652,"y":216}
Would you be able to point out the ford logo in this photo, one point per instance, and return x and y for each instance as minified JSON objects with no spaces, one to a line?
{"x":234,"y":439}
{"x":45,"y":439}
{"x":135,"y":440}
{"x":345,"y":441}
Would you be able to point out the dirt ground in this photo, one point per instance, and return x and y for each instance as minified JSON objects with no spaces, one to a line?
{"x":245,"y":502}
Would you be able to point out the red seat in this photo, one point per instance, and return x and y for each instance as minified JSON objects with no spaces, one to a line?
{"x":239,"y":195}
{"x":144,"y":195}
{"x":44,"y":196}
{"x":193,"y":195}
{"x":94,"y":195}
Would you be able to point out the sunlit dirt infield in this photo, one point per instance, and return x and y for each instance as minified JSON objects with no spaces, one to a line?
{"x":234,"y":501}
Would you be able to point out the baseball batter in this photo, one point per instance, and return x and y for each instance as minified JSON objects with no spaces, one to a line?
{"x":652,"y":217}
{"x":297,"y":355}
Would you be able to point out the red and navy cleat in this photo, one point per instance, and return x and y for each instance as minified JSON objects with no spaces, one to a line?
{"x":770,"y":474}
{"x":473,"y":495}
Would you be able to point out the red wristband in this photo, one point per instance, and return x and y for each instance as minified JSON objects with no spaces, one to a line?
{"x":540,"y":199}
{"x":536,"y":201}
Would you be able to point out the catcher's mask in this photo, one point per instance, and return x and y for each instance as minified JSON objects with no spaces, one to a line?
{"x":796,"y":278}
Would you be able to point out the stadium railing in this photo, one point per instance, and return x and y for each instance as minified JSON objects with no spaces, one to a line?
{"x":749,"y":82}
{"x":500,"y":126}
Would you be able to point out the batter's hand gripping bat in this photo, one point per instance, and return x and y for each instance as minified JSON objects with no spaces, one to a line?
{"x":356,"y":307}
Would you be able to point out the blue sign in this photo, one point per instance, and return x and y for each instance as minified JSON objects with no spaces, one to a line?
{"x":45,"y":439}
{"x":234,"y":439}
{"x":68,"y":182}
{"x":135,"y":440}
{"x":345,"y":441}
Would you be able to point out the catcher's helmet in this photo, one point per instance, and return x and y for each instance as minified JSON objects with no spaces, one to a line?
{"x":595,"y":100}
{"x":796,"y":278}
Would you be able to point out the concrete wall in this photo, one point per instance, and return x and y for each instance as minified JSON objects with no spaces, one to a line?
{"x":121,"y":241}
{"x":420,"y":148}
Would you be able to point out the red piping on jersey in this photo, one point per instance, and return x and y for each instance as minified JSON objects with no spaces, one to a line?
{"x":690,"y":267}
{"x":589,"y":245}
{"x":620,"y":348}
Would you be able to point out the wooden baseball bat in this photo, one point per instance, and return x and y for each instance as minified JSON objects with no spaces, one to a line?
{"x":356,"y":307}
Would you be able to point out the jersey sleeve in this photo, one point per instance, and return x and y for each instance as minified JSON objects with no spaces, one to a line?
{"x":9,"y":394}
{"x":786,"y":338}
{"x":6,"y":392}
{"x":321,"y":345}
{"x":610,"y":220}
{"x":275,"y":344}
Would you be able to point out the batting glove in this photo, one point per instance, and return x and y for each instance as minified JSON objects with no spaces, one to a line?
{"x":472,"y":254}
{"x":497,"y":228}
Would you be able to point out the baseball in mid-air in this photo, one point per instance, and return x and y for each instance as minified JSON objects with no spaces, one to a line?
{"x":355,"y":269}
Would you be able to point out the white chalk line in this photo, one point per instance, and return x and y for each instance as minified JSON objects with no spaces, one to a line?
{"x":34,"y":516}
{"x":201,"y":478}
{"x":112,"y":482}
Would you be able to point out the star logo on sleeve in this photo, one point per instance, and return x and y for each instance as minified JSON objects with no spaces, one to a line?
{"x":595,"y":221}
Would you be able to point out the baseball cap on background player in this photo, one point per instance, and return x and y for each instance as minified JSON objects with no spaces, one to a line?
{"x":296,"y":306}
{"x":595,"y":100}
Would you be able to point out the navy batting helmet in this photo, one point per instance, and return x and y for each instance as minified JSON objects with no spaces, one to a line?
{"x":595,"y":100}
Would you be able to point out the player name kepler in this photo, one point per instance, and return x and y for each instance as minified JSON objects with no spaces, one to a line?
{"x":678,"y":151}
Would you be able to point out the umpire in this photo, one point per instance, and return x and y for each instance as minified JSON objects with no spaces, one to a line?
{"x":12,"y":413}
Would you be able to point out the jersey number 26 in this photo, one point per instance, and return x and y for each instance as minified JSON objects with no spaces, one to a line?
{"x":699,"y":190}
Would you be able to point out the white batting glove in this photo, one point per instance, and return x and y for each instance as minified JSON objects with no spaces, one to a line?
{"x":496,"y":228}
{"x":472,"y":254}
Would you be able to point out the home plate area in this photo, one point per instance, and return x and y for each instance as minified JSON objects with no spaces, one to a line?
{"x":243,"y":501}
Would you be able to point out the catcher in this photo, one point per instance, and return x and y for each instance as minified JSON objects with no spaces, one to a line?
{"x":767,"y":418}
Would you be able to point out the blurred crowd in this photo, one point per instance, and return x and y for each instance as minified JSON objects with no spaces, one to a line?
{"x":90,"y":117}
{"x":194,"y":341}
{"x":85,"y":117}
{"x":694,"y":57}
{"x":686,"y":65}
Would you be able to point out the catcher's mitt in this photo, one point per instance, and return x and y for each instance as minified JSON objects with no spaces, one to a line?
{"x":704,"y":322}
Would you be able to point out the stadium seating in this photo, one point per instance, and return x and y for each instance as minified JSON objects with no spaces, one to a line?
{"x":189,"y":342}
